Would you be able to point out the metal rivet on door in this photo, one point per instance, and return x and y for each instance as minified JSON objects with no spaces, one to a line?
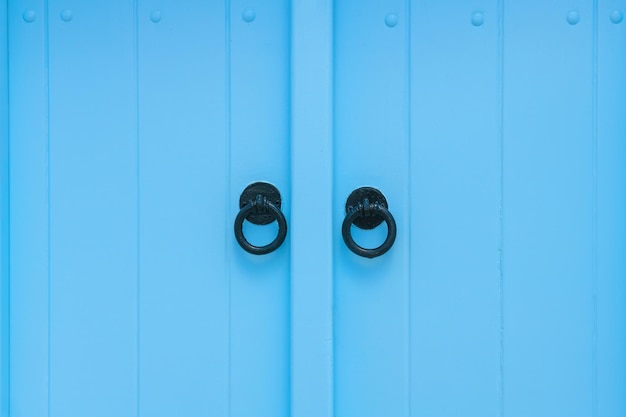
{"x":260,"y":204}
{"x":366,"y":208}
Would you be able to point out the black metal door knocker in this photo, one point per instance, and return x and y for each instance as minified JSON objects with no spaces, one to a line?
{"x":260,"y":204}
{"x":366,"y":208}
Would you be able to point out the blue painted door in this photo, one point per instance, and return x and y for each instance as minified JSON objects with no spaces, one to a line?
{"x":495,"y":130}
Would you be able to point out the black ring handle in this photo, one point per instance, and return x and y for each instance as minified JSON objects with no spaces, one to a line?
{"x":260,"y":205}
{"x":362,"y":210}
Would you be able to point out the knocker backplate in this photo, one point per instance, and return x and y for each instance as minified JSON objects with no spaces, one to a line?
{"x":373,"y":195}
{"x":268,"y":191}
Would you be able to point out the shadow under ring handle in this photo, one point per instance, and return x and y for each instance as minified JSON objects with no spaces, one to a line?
{"x":362,"y":210}
{"x":258,"y":205}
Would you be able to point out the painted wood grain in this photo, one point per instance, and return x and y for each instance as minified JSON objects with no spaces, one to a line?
{"x":548,"y":208}
{"x":311,"y":241}
{"x":371,"y":143}
{"x":455,"y":198}
{"x":610,"y":211}
{"x":495,"y":130}
{"x":183,"y":222}
{"x":4,"y":214}
{"x":259,"y":151}
{"x":29,"y":205}
{"x":92,"y":209}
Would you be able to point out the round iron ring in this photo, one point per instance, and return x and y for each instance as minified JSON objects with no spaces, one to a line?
{"x":260,"y":204}
{"x":360,"y":211}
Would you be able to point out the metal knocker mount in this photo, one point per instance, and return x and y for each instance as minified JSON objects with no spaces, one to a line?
{"x":366,"y":208}
{"x":260,"y":204}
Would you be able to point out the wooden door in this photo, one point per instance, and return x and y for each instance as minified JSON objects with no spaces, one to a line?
{"x":495,"y":130}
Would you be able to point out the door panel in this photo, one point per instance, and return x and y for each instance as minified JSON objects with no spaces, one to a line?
{"x":312,"y":231}
{"x":455,"y":208}
{"x":259,"y":150}
{"x":609,"y":287}
{"x":92,"y":217}
{"x":28,"y":178}
{"x":4,"y":223}
{"x":182,"y":157}
{"x":548,"y":209}
{"x":130,"y":295}
{"x":371,"y":325}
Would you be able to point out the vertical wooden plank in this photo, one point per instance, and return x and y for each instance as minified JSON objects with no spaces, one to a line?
{"x":610,"y":290}
{"x":371,"y":149}
{"x":4,"y":210}
{"x":259,"y":151}
{"x":93,"y":213}
{"x":548,"y":208}
{"x":28,"y":134}
{"x":312,"y":241}
{"x":455,"y":173}
{"x":183,"y":318}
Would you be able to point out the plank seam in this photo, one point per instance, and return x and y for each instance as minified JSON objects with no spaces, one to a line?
{"x":334,"y":214}
{"x":500,"y":106}
{"x":48,"y":197}
{"x":227,"y":104}
{"x":137,"y":133}
{"x":594,"y":209}
{"x":5,"y":332}
{"x":289,"y":100}
{"x":410,"y":198}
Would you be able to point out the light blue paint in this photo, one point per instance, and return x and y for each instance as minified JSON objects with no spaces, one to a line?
{"x":92,"y":209}
{"x":610,"y":195}
{"x":371,"y":148}
{"x":259,"y":148}
{"x":495,"y":130}
{"x":28,"y":134}
{"x":548,"y":212}
{"x":181,"y":165}
{"x":4,"y":214}
{"x":312,"y":242}
{"x":454,"y":209}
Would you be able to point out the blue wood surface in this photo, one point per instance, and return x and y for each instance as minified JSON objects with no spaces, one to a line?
{"x":609,"y":288}
{"x":4,"y":213}
{"x":92,"y":215}
{"x":371,"y":143}
{"x":454,"y":208}
{"x":311,"y":241}
{"x":29,"y":175}
{"x":495,"y":129}
{"x":183,"y":223}
{"x":259,"y":145}
{"x":548,"y":209}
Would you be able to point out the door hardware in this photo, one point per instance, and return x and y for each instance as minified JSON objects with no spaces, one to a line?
{"x":260,"y":204}
{"x":366,"y":208}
